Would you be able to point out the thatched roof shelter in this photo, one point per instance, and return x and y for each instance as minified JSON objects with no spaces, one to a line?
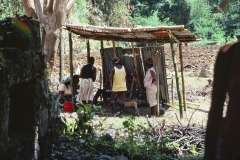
{"x":160,"y":34}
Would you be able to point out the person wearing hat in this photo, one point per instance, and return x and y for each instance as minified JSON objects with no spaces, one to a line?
{"x":150,"y":83}
{"x":117,"y":80}
{"x":65,"y":90}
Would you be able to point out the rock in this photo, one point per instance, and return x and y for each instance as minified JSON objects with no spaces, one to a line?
{"x":70,"y":156}
{"x":107,"y":137}
{"x":104,"y":157}
{"x":120,"y":158}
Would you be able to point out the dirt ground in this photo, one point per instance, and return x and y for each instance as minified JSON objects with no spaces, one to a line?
{"x":198,"y":71}
{"x":197,"y":107}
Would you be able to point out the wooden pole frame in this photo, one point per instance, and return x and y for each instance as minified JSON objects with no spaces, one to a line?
{"x":71,"y":66}
{"x":103,"y":67}
{"x":88,"y":49}
{"x":177,"y":78}
{"x":61,"y":67}
{"x":172,"y":88}
{"x":157,"y":76}
{"x":182,"y":74}
{"x":114,"y":49}
{"x":135,"y":64}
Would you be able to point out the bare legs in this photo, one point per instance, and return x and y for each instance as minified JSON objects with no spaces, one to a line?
{"x":153,"y":110}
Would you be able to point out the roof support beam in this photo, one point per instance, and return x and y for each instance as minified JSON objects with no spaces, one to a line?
{"x":88,"y":49}
{"x":103,"y":66}
{"x":157,"y":76}
{"x":124,"y":39}
{"x":61,"y":67}
{"x":173,"y":37}
{"x":182,"y":74}
{"x":182,"y":70}
{"x":135,"y":65}
{"x":177,"y":78}
{"x":114,"y":49}
{"x":71,"y":64}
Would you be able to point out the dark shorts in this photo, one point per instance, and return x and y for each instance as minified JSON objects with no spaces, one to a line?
{"x":118,"y":97}
{"x":227,"y":150}
{"x":69,"y":99}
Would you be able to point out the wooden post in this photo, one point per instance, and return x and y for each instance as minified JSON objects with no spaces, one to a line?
{"x":136,"y":66}
{"x":88,"y":49}
{"x":157,"y":76}
{"x":172,"y":88}
{"x":182,"y":73}
{"x":100,"y":77}
{"x":133,"y":80}
{"x":71,"y":67}
{"x":100,"y":83}
{"x":62,"y":55}
{"x":114,"y":49}
{"x":103,"y":64}
{"x":140,"y":49}
{"x":177,"y":78}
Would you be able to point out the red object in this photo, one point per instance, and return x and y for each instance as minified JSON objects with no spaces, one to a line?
{"x":109,"y":104}
{"x":68,"y":106}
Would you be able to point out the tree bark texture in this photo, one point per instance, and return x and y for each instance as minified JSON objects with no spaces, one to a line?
{"x":52,"y":17}
{"x":29,"y":8}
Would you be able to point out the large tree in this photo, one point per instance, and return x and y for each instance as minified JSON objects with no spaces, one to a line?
{"x":52,"y":14}
{"x":179,"y":12}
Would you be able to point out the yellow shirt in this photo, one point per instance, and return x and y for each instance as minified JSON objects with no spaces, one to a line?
{"x":66,"y":90}
{"x":119,"y":80}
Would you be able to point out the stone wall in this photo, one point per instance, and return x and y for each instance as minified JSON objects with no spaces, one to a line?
{"x":28,"y":111}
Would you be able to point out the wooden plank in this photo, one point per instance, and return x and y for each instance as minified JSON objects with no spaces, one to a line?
{"x":177,"y":79}
{"x":114,"y":49}
{"x":142,"y":40}
{"x":71,"y":66}
{"x":61,"y":55}
{"x":88,"y":49}
{"x":157,"y":76}
{"x":136,"y":65}
{"x":182,"y":74}
{"x":103,"y":62}
{"x":172,"y":88}
{"x":164,"y":83}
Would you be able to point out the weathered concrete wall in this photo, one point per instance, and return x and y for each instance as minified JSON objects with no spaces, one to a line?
{"x":28,"y":111}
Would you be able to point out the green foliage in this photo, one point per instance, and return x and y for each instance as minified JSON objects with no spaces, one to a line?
{"x":3,"y":61}
{"x":211,"y":20}
{"x":79,"y":13}
{"x":205,"y":24}
{"x":152,"y":20}
{"x":80,"y":125}
{"x":147,"y":8}
{"x":70,"y":125}
{"x":134,"y":141}
{"x":231,"y":20}
{"x":179,"y":12}
{"x":8,"y":8}
{"x":85,"y":113}
{"x":214,"y":3}
{"x":114,"y":13}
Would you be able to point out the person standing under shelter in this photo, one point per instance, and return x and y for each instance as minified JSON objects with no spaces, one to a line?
{"x":88,"y":75}
{"x":75,"y":84}
{"x":65,"y":90}
{"x":150,"y":83}
{"x":223,"y":132}
{"x":117,"y":80}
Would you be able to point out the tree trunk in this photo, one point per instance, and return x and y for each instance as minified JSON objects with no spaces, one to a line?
{"x":53,"y":19}
{"x":29,"y":8}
